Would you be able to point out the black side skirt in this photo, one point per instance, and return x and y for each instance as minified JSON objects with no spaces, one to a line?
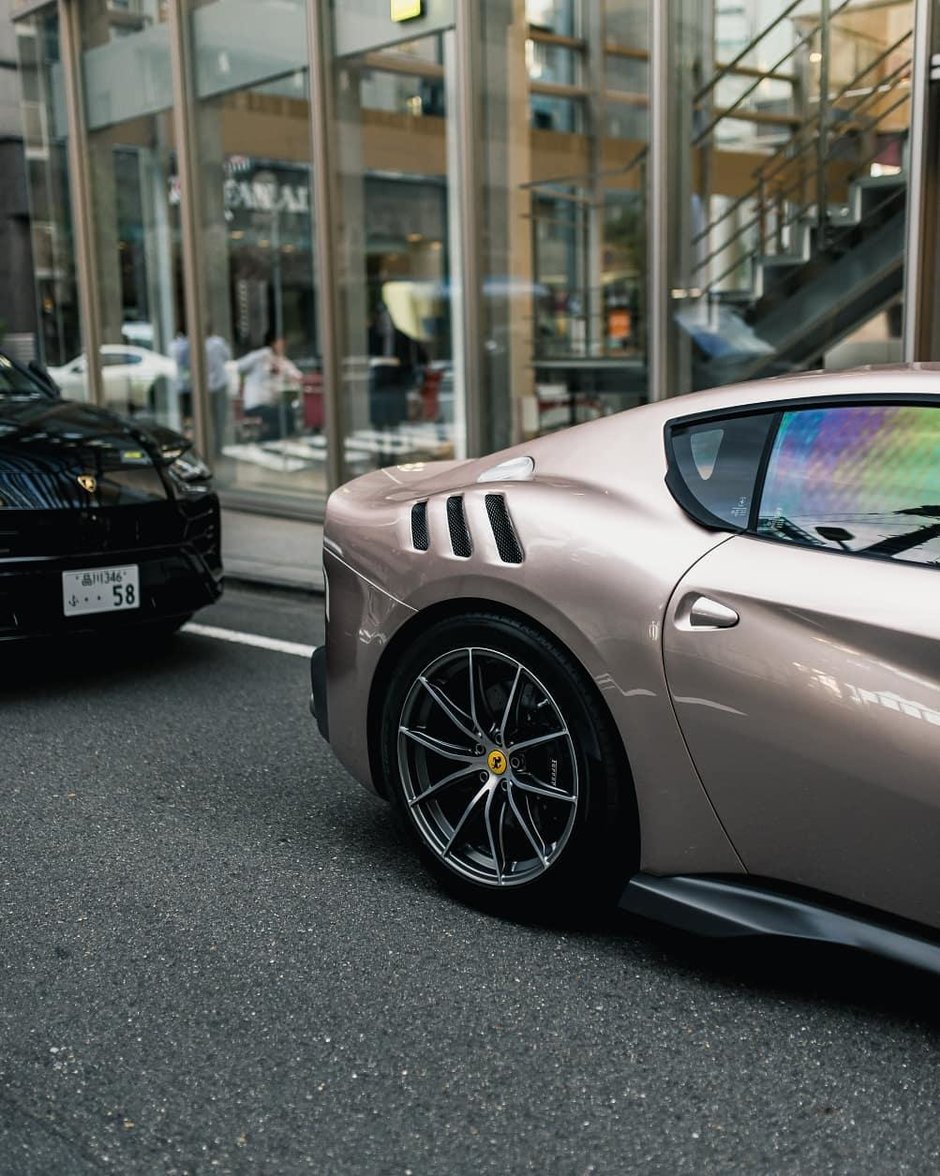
{"x":318,"y":704}
{"x":723,"y":909}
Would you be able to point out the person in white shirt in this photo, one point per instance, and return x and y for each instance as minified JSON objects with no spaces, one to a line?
{"x":179,"y":352}
{"x":266,"y":374}
{"x":218,"y":355}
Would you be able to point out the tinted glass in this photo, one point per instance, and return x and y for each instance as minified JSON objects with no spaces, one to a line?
{"x":14,"y":382}
{"x":861,"y":479}
{"x":717,"y":462}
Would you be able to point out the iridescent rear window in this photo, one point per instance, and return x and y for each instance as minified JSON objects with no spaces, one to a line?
{"x":864,"y":479}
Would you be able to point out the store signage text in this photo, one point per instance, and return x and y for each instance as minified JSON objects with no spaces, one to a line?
{"x":264,"y":196}
{"x":258,"y":196}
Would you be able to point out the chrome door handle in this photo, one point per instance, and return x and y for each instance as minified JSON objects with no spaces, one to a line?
{"x":705,"y":613}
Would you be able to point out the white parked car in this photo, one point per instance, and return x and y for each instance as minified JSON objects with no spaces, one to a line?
{"x":135,"y":379}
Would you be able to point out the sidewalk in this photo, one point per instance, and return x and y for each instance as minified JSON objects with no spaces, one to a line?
{"x":281,"y":553}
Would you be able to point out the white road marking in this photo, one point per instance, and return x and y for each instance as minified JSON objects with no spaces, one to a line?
{"x":272,"y":643}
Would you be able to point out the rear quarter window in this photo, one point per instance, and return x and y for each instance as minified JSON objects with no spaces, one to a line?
{"x":714,"y":467}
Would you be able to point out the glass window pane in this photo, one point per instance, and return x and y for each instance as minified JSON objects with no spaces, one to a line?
{"x":399,"y":398}
{"x":717,"y":463}
{"x":858,"y":479}
{"x":259,"y":295}
{"x":565,"y":215}
{"x":552,"y":16}
{"x":45,"y":134}
{"x":778,"y":189}
{"x":131,"y":151}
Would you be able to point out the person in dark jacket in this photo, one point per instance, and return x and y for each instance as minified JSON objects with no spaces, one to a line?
{"x":394,"y":360}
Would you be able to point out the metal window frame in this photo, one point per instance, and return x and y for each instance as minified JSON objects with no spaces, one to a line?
{"x":80,"y":194}
{"x":662,"y":367}
{"x":919,"y":248}
{"x":184,"y":126}
{"x":81,"y":200}
{"x":468,"y":129}
{"x":325,"y":230}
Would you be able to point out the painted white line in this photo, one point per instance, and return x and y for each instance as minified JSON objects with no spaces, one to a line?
{"x":272,"y":643}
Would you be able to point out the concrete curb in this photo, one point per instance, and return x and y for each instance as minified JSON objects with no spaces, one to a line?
{"x":263,"y":580}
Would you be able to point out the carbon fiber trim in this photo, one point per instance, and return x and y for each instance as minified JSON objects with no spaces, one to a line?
{"x":420,"y":535}
{"x":507,"y":542}
{"x":459,"y":531}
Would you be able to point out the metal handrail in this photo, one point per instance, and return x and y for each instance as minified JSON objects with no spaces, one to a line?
{"x":726,"y":70}
{"x":872,"y":64}
{"x":785,"y":157}
{"x":843,"y":128}
{"x":786,"y":224}
{"x":782,"y":151}
{"x":816,"y":133}
{"x":749,"y":48}
{"x":758,"y":248}
{"x":728,"y":111}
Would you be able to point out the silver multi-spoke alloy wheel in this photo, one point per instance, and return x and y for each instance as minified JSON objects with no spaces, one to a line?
{"x":488,"y":767}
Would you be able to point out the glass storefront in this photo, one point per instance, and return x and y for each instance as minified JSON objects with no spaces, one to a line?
{"x":492,"y":271}
{"x":259,"y":305}
{"x":131,"y":152}
{"x":45,"y":136}
{"x":396,"y":139}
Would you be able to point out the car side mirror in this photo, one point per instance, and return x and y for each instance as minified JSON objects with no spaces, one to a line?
{"x":836,"y":535}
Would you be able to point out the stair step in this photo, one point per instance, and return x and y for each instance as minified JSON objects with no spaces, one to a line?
{"x":898,"y":179}
{"x":870,"y":192}
{"x":768,"y":260}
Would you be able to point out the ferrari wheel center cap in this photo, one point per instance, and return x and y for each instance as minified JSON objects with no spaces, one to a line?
{"x":496,"y":761}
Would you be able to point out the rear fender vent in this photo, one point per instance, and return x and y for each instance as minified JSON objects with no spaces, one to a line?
{"x":507,"y":541}
{"x":459,"y":531}
{"x":420,"y":535}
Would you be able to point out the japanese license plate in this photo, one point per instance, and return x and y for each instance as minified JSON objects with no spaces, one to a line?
{"x":96,"y":590}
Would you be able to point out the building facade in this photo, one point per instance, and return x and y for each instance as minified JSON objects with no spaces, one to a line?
{"x":326,"y":237}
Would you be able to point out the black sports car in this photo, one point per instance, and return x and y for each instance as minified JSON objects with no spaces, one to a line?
{"x":103,"y":522}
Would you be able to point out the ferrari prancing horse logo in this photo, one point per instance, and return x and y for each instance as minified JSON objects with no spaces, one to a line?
{"x":88,"y":483}
{"x":497,"y":762}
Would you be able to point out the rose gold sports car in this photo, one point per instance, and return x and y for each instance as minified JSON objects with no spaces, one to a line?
{"x":686,"y":657}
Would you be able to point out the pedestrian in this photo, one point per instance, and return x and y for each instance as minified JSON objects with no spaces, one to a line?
{"x":179,"y":351}
{"x":267,"y":373}
{"x":395,"y":359}
{"x":218,"y":354}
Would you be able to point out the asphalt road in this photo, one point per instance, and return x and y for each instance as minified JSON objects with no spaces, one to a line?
{"x":219,"y":956}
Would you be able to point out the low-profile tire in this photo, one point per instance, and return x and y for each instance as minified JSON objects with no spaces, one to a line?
{"x":517,"y":791}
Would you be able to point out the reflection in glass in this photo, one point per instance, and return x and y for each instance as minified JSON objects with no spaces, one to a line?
{"x":859,"y":479}
{"x":798,"y":146}
{"x":135,"y":205}
{"x":45,"y":132}
{"x":398,"y":388}
{"x":259,"y":305}
{"x":719,"y":462}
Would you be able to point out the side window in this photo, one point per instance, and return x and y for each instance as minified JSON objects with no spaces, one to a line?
{"x":862,"y":479}
{"x":714,"y":467}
